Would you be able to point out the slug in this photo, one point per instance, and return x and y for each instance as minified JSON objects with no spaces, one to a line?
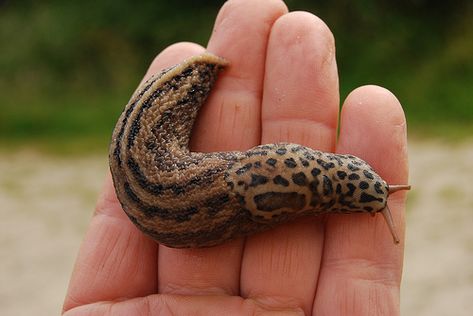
{"x":185,"y":199}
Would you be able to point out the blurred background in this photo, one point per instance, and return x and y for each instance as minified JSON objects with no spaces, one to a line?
{"x":68,"y":67}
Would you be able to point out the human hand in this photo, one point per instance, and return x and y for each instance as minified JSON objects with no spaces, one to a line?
{"x":282,"y":85}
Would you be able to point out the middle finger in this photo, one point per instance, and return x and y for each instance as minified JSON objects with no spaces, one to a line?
{"x":300,"y":105}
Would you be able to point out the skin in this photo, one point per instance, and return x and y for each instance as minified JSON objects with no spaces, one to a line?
{"x":282,"y":86}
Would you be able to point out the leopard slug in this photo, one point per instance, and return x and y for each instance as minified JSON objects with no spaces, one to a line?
{"x":188,"y":199}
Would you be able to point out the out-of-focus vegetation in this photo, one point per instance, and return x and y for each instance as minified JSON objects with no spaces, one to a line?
{"x":68,"y":67}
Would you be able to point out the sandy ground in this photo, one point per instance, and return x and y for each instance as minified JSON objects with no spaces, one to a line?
{"x":46,"y":203}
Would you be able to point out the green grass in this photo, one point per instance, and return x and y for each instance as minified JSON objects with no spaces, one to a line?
{"x":80,"y":125}
{"x":66,"y":124}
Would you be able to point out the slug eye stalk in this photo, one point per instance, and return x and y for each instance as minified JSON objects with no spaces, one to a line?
{"x":398,"y":187}
{"x":386,"y":212}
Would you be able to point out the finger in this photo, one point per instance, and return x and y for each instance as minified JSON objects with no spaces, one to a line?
{"x":229,"y":120}
{"x":113,"y":248}
{"x":300,"y":105}
{"x":361,"y":268}
{"x":233,"y":110}
{"x":183,"y":305}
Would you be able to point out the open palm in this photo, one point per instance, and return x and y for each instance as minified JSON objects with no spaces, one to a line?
{"x":282,"y":85}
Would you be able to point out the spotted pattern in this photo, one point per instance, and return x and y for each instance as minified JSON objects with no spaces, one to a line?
{"x":325,"y":183}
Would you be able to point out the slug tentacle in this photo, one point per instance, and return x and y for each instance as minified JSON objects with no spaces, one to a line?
{"x":389,"y":220}
{"x":187,"y":199}
{"x":398,"y":187}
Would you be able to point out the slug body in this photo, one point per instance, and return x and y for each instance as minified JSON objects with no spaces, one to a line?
{"x":187,"y":199}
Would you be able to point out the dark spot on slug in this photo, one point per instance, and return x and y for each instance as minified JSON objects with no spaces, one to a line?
{"x":368,"y":208}
{"x":299,"y":178}
{"x":363,"y":185}
{"x":366,"y":198}
{"x":304,"y":162}
{"x":341,"y":174}
{"x":353,"y":176}
{"x":280,"y":180}
{"x":313,"y":186}
{"x":352,"y":167}
{"x":343,"y":201}
{"x":368,"y":174}
{"x":351,"y":189}
{"x":272,"y":162}
{"x":290,"y":163}
{"x":315,"y":199}
{"x":377,"y":187}
{"x":257,"y":179}
{"x":325,"y":165}
{"x":271,"y":201}
{"x":327,"y":186}
{"x":338,"y":190}
{"x":281,"y":151}
{"x":315,"y":172}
